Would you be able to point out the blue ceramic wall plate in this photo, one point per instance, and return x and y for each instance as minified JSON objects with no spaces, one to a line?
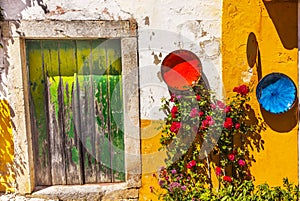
{"x":276,"y":93}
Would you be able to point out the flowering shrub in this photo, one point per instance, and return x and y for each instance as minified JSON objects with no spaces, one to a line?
{"x":204,"y":136}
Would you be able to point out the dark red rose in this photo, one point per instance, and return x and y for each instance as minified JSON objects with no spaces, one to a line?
{"x":191,"y":164}
{"x":174,"y":111}
{"x":228,"y":123}
{"x":218,"y":171}
{"x":175,"y":126}
{"x":201,"y":113}
{"x":242,"y":89}
{"x":227,"y":178}
{"x":237,"y":126}
{"x":227,"y":109}
{"x":231,"y":157}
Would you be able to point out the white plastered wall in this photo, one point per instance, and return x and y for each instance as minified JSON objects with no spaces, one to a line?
{"x":163,"y":26}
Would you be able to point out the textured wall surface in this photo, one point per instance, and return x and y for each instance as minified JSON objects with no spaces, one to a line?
{"x":163,"y":26}
{"x":6,"y":149}
{"x":274,"y":25}
{"x":198,"y":26}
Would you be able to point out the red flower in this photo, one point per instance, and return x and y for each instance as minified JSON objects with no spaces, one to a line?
{"x":227,"y":178}
{"x":198,"y":97}
{"x":213,"y":106}
{"x":228,"y":123}
{"x":237,"y":126}
{"x":201,"y":113}
{"x":191,"y":164}
{"x":220,"y":104}
{"x":218,"y":171}
{"x":174,"y":111}
{"x":208,"y":118}
{"x":242,"y":89}
{"x":172,"y":99}
{"x":194,"y":112}
{"x":241,"y":163}
{"x":227,"y":109}
{"x":231,"y":157}
{"x":204,"y":124}
{"x":208,"y":121}
{"x":175,"y":126}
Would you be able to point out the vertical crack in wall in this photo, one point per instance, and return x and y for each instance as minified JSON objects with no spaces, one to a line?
{"x":43,"y":6}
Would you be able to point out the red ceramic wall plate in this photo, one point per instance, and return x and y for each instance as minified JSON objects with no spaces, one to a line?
{"x":181,"y":69}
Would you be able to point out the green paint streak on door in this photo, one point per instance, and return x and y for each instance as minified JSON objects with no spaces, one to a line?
{"x":99,"y":57}
{"x":117,"y":127}
{"x":75,"y":155}
{"x":102,"y":120}
{"x":38,"y":111}
{"x":83,"y":57}
{"x":116,"y":108}
{"x":51,"y":57}
{"x":51,"y":63}
{"x":37,"y":89}
{"x":114,"y":57}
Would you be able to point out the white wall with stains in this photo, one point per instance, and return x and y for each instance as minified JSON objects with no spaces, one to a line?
{"x":163,"y":26}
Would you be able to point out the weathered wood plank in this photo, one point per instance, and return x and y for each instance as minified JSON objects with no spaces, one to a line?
{"x":51,"y":61}
{"x":116,"y":113}
{"x":67,"y":59}
{"x":103,"y":143}
{"x":57,"y":138}
{"x":56,"y":111}
{"x":98,"y":57}
{"x":89,"y":157}
{"x":99,"y":72}
{"x":77,"y":122}
{"x":72,"y":147}
{"x":116,"y":109}
{"x":84,"y":59}
{"x":38,"y":107}
{"x":113,"y":49}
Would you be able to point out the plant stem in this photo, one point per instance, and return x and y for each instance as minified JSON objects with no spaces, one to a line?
{"x":208,"y":171}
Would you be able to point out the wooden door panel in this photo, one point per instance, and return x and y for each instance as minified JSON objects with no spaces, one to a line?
{"x":77,"y":111}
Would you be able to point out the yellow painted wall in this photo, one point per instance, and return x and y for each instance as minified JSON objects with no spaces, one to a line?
{"x":275,"y":27}
{"x":152,"y":159}
{"x":6,"y":149}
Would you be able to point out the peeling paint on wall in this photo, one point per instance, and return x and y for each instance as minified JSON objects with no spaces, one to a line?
{"x":163,"y":26}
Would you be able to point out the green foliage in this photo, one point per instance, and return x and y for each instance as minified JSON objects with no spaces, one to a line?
{"x":202,"y":136}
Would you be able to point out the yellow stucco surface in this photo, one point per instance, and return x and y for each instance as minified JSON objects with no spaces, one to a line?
{"x":152,"y":159}
{"x":6,"y":149}
{"x":274,"y":25}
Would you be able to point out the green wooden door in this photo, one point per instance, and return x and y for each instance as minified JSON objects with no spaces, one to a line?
{"x":76,"y":108}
